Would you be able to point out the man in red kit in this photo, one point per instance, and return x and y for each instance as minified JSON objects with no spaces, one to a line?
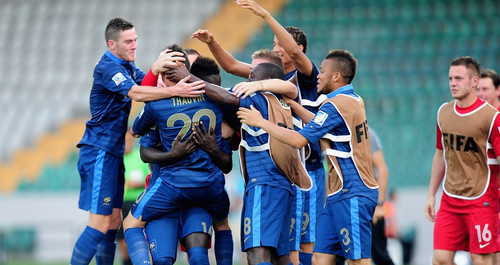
{"x":488,"y":87}
{"x":466,"y":161}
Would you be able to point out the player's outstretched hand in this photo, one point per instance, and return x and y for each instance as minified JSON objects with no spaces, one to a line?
{"x":429,"y":210}
{"x":250,"y":116}
{"x":253,"y":6}
{"x":205,"y":140}
{"x":203,"y":35}
{"x":245,"y":89}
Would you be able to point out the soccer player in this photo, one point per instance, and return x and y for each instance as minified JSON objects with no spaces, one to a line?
{"x":466,"y":161}
{"x":116,"y":81}
{"x":268,"y":192}
{"x":194,"y":234}
{"x":290,"y":43}
{"x":380,"y":255}
{"x":193,"y":181}
{"x":341,"y":125}
{"x":488,"y":87}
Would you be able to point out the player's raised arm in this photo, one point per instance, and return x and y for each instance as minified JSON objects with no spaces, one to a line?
{"x":282,"y":37}
{"x":223,"y":57}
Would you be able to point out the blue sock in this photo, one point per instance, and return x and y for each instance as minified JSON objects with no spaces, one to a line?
{"x":223,"y":247}
{"x":265,"y":263}
{"x":137,"y":246}
{"x":198,"y":255}
{"x":86,"y":246}
{"x":305,"y":258}
{"x":164,"y":261}
{"x":105,"y":254}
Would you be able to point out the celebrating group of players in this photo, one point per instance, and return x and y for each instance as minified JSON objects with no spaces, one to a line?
{"x":282,"y":119}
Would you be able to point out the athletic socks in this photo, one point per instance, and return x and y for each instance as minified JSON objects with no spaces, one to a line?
{"x":163,"y":261}
{"x":105,"y":254}
{"x":137,"y":246}
{"x":265,"y":263}
{"x":223,"y":247}
{"x":86,"y":246}
{"x":198,"y":255}
{"x":305,"y":258}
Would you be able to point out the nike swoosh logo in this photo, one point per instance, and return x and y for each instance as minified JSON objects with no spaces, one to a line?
{"x":347,"y":250}
{"x":483,"y":246}
{"x":303,"y":233}
{"x":245,"y":240}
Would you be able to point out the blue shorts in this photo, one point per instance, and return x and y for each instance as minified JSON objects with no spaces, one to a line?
{"x":265,"y":219}
{"x":306,"y":209}
{"x":102,"y":180}
{"x":195,"y":220}
{"x":161,"y":198}
{"x":346,"y":228}
{"x":162,"y":237}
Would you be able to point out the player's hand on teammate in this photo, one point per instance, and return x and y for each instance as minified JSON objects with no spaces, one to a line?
{"x":185,"y":89}
{"x":166,"y":59}
{"x":203,"y":35}
{"x":250,"y":116}
{"x":253,"y":6}
{"x":181,"y":148}
{"x":429,"y":210}
{"x":205,"y":140}
{"x":245,"y":89}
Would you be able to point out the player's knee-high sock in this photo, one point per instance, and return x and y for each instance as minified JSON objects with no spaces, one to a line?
{"x":105,"y":254}
{"x":164,"y":261}
{"x":305,"y":258}
{"x":137,"y":246}
{"x":265,"y":263}
{"x":86,"y":246}
{"x":224,"y":247}
{"x":198,"y":255}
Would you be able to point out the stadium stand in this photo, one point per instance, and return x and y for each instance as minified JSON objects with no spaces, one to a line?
{"x":403,"y":49}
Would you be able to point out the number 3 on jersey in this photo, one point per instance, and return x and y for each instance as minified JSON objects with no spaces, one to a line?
{"x":187,"y":121}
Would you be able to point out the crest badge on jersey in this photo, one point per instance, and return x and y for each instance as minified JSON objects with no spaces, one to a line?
{"x":320,"y":117}
{"x":118,"y":78}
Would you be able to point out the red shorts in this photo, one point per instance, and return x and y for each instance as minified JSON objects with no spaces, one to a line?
{"x":476,"y":232}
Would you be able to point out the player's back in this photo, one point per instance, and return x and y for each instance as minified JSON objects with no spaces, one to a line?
{"x":177,"y":115}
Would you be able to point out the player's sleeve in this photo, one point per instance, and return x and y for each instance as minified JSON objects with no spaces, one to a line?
{"x":439,"y":138}
{"x":495,"y":135}
{"x":145,"y":120}
{"x":150,"y":139}
{"x":117,"y":80}
{"x":326,"y":119}
{"x":308,"y":82}
{"x":150,"y":79}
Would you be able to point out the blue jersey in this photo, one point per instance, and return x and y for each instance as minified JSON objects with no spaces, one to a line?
{"x":311,"y":100}
{"x":175,"y":115}
{"x":261,"y":169}
{"x":329,"y":120}
{"x":109,"y":104}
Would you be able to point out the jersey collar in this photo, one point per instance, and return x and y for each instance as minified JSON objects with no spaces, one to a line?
{"x":347,"y":89}
{"x":116,"y":59}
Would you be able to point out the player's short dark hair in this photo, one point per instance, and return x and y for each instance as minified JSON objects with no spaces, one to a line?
{"x":115,"y":27}
{"x":299,"y":36}
{"x":470,"y":63}
{"x":191,"y":51}
{"x":177,"y":48}
{"x":207,"y":69}
{"x":491,"y":74}
{"x":270,"y":56}
{"x":270,"y":70}
{"x":344,"y":62}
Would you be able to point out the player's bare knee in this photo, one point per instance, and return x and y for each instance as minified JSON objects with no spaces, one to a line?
{"x":221,"y":225}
